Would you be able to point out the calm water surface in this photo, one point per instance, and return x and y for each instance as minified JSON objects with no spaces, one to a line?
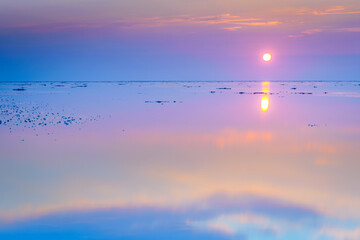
{"x":180,"y":160}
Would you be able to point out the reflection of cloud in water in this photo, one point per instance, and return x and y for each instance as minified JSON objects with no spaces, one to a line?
{"x":225,"y":138}
{"x":237,"y":213}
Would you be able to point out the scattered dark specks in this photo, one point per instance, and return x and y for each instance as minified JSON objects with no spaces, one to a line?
{"x":80,"y":86}
{"x":19,"y":89}
{"x":302,"y":93}
{"x":313,"y":125}
{"x":15,"y":116}
{"x":191,"y":86}
{"x":162,"y":102}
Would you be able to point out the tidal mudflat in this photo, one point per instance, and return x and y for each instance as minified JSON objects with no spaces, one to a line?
{"x":180,"y":160}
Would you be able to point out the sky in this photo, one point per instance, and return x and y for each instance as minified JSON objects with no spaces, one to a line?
{"x":177,"y":40}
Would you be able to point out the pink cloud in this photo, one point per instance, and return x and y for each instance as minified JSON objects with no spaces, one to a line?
{"x":336,"y":10}
{"x":340,"y":233}
{"x":319,"y":30}
{"x":350,"y":29}
{"x":235,"y":22}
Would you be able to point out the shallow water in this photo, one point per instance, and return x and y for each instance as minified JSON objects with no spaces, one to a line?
{"x":180,"y":160}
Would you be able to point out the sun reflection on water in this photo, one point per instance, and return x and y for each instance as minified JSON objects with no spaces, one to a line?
{"x":264,"y":103}
{"x":265,"y":99}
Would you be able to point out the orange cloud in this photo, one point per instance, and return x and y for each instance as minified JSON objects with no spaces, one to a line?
{"x":236,"y":22}
{"x":318,"y":30}
{"x":336,"y":10}
{"x":234,"y":28}
{"x":351,"y":29}
{"x":312,"y":31}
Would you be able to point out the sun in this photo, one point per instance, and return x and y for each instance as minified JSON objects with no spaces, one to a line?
{"x":267,"y":57}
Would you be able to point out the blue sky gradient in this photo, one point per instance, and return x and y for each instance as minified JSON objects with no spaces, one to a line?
{"x":134,"y":40}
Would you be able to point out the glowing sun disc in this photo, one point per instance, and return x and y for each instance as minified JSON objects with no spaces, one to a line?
{"x":267,"y":57}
